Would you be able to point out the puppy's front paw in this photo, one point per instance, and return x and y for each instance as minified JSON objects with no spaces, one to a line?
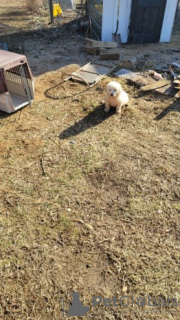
{"x":118,"y":110}
{"x":106,"y":109}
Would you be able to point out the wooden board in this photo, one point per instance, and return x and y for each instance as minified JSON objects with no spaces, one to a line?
{"x":155,"y":85}
{"x":169,"y":90}
{"x":141,"y":79}
{"x":101,"y":44}
{"x":164,"y":87}
{"x":91,"y":50}
{"x":109,"y":54}
{"x":176,"y":82}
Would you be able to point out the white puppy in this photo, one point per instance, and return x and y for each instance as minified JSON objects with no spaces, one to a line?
{"x":115,"y":97}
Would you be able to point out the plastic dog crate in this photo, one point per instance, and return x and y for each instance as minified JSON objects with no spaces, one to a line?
{"x":16,"y":82}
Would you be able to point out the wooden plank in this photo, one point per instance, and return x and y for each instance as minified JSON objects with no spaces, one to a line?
{"x":155,"y":85}
{"x":109,"y":54}
{"x":176,"y":82}
{"x":140,"y":79}
{"x":169,"y":90}
{"x":101,"y":44}
{"x":91,"y":50}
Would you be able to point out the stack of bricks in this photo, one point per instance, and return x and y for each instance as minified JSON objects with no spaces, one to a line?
{"x":107,"y":50}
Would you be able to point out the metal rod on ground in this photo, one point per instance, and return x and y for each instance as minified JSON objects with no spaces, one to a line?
{"x":51,"y":11}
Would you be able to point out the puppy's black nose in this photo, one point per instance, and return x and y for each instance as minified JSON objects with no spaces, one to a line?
{"x":111,"y":94}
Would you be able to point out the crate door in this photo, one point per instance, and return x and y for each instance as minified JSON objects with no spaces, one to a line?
{"x":146,"y":20}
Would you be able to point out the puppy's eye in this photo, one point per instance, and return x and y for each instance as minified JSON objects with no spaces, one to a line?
{"x":114,"y":89}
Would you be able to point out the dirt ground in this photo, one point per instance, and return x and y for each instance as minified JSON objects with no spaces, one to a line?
{"x":89,"y":201}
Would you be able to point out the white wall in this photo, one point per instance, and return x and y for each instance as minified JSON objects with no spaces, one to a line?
{"x":124,"y":19}
{"x":168,"y":21}
{"x":110,"y":17}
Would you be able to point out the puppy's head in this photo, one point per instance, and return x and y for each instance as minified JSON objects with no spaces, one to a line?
{"x":113,"y":89}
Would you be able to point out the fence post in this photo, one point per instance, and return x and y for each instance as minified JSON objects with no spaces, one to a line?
{"x":51,"y":11}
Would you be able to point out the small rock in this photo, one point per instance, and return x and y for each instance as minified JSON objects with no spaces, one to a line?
{"x":130,"y":63}
{"x":124,"y":289}
{"x":88,"y":226}
{"x":80,"y":221}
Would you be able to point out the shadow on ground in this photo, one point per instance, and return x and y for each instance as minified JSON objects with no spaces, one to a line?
{"x":172,"y":107}
{"x":30,"y":43}
{"x":93,"y":119}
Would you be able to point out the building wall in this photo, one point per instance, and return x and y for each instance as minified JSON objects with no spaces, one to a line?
{"x":168,"y":20}
{"x":124,"y":19}
{"x":109,"y":19}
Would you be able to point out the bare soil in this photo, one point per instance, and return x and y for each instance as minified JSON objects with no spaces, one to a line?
{"x":89,"y":201}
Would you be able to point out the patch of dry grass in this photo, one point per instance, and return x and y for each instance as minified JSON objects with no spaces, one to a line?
{"x":89,"y":202}
{"x":91,"y":211}
{"x":36,"y":6}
